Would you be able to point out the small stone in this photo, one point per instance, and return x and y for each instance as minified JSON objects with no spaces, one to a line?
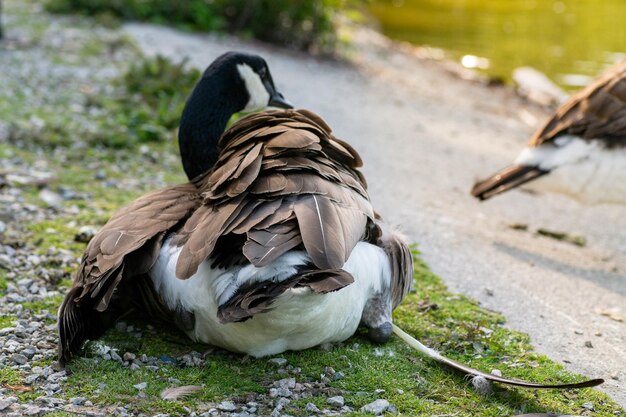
{"x":141,"y":385}
{"x":287,"y":383}
{"x":31,"y":410}
{"x":311,"y":408}
{"x":280,"y":392}
{"x":4,"y":404}
{"x":128,"y":356}
{"x":51,"y":198}
{"x":227,"y":406}
{"x":338,"y":376}
{"x":78,"y":400}
{"x":588,"y":344}
{"x":280,"y":362}
{"x":19,"y":359}
{"x":496,"y":372}
{"x":588,"y":406}
{"x":336,"y":401}
{"x":377,"y":407}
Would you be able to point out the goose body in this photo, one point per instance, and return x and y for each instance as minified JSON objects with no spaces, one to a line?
{"x":580,"y":151}
{"x":299,"y":318}
{"x":275,"y":246}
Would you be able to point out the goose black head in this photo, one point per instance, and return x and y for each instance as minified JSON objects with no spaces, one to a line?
{"x":234,"y":82}
{"x":257,"y":78}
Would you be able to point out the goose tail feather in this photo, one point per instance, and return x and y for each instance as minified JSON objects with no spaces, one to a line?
{"x":482,"y":376}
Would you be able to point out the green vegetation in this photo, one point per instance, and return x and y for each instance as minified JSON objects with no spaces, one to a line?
{"x":305,"y":25}
{"x":10,"y":376}
{"x":148,"y":103}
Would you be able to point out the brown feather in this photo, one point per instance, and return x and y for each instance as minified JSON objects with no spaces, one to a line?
{"x":596,"y":112}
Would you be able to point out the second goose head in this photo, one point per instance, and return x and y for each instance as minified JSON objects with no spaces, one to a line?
{"x":234,"y":82}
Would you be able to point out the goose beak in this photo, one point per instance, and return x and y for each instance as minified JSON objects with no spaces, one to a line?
{"x":277,"y":100}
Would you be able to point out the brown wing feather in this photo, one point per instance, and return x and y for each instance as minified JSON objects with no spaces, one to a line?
{"x":299,"y":171}
{"x":598,"y":111}
{"x":305,"y":193}
{"x":125,"y":247}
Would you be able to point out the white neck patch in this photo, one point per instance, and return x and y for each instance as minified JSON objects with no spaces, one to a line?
{"x":259,"y":97}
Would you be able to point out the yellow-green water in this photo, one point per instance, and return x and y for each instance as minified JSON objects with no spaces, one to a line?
{"x":569,"y":40}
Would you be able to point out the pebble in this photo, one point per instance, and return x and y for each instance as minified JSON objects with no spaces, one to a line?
{"x":311,"y":408}
{"x":78,"y":400}
{"x":377,"y":407}
{"x":278,"y":361}
{"x":336,"y":401}
{"x":287,"y":383}
{"x":227,"y":406}
{"x":338,"y":376}
{"x":588,"y":406}
{"x":141,"y":385}
{"x":5,"y":403}
{"x":19,"y":359}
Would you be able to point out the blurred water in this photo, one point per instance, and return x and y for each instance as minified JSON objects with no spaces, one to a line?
{"x":570,"y":40}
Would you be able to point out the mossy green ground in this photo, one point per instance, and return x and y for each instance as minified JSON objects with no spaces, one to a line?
{"x":453,"y":324}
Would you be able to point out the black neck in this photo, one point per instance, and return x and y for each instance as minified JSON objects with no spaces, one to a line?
{"x":213,"y":101}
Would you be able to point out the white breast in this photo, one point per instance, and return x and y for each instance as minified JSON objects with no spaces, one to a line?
{"x":585,"y":170}
{"x":299,"y":319}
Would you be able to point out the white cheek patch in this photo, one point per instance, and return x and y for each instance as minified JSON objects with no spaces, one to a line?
{"x":568,"y":150}
{"x":259,"y":97}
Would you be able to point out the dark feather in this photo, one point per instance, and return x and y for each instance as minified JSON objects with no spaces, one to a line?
{"x":505,"y":179}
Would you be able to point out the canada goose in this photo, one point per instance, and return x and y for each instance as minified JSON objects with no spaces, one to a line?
{"x":275,"y":220}
{"x":582,"y":147}
{"x":273,"y":245}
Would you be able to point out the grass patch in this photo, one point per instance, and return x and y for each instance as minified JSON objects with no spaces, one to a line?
{"x":10,"y":376}
{"x":7,"y":321}
{"x":415,"y":385}
{"x":50,"y":304}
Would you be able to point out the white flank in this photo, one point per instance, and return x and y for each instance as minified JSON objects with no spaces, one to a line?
{"x":259,"y":97}
{"x":299,"y":319}
{"x":585,"y":170}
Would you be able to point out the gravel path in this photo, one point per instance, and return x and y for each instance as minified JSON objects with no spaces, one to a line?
{"x":425,"y":135}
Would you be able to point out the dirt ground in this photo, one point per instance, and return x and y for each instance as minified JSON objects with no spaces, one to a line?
{"x":425,"y":135}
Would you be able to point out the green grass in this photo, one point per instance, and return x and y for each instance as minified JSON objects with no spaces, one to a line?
{"x":10,"y":377}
